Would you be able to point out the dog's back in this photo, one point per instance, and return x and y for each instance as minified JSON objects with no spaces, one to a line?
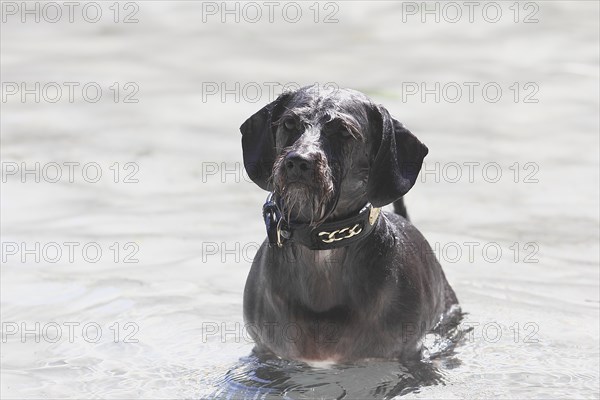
{"x":400,"y":208}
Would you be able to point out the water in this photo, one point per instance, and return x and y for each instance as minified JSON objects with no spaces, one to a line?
{"x":170,"y":325}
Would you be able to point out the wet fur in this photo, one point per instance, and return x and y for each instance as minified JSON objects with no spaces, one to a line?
{"x":374,"y":299}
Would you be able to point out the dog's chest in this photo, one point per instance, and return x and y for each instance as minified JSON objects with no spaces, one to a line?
{"x":320,"y":262}
{"x":320,"y":283}
{"x":324,"y":258}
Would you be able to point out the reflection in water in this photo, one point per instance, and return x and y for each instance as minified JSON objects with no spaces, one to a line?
{"x":257,"y":377}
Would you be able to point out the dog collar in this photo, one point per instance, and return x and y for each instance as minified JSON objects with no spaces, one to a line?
{"x":329,"y":235}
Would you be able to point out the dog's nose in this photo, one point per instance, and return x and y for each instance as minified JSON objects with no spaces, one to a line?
{"x":298,"y":164}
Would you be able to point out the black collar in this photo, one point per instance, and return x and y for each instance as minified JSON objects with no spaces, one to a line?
{"x":329,"y":235}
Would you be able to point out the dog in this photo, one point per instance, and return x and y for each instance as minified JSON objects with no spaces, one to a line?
{"x":337,"y":278}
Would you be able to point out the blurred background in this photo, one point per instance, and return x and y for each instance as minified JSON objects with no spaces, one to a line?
{"x":129,"y":226}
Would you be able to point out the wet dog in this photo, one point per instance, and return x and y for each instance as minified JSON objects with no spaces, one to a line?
{"x":337,"y":278}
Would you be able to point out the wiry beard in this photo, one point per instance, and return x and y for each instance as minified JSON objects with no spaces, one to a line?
{"x":305,"y":203}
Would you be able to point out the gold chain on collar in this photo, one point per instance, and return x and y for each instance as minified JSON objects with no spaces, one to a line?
{"x":347,"y":232}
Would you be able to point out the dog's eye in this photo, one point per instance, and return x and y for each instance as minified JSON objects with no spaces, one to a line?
{"x":340,"y":132}
{"x":345,"y":133}
{"x":290,"y":124}
{"x":337,"y":130}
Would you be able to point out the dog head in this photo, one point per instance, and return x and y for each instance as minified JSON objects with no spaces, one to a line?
{"x":327,"y":153}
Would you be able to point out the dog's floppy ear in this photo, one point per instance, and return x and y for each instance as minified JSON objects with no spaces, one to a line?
{"x":396,"y":158}
{"x":258,"y":142}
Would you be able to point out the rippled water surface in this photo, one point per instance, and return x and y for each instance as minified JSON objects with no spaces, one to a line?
{"x":170,"y":325}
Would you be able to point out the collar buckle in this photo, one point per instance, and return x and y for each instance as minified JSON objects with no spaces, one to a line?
{"x":272,"y":218}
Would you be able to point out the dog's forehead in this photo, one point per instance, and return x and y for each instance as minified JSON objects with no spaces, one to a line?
{"x":315,"y":103}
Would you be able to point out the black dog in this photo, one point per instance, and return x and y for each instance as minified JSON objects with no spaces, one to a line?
{"x":337,"y":279}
